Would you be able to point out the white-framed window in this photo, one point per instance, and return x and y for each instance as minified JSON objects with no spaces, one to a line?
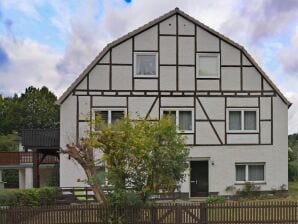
{"x":183,"y":118}
{"x":100,"y":174}
{"x":208,"y":65}
{"x":108,"y":116}
{"x":242,"y":120}
{"x":146,"y":64}
{"x":250,"y":172}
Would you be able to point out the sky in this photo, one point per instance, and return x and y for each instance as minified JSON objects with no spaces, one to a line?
{"x":50,"y":42}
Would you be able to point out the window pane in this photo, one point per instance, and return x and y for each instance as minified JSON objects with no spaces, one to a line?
{"x":208,"y":66}
{"x":250,"y":120}
{"x":185,"y":120}
{"x":146,"y":65}
{"x":101,"y":117}
{"x":234,"y":120}
{"x":256,"y":172}
{"x":100,"y":174}
{"x":117,"y":115}
{"x":172,"y":114}
{"x":240,"y":172}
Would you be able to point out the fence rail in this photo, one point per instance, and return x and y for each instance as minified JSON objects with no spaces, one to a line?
{"x":236,"y":212}
{"x":86,"y":195}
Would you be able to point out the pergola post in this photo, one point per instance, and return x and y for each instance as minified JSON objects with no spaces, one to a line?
{"x":36,"y":178}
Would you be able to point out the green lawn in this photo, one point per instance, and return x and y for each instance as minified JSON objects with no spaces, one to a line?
{"x":293,"y":190}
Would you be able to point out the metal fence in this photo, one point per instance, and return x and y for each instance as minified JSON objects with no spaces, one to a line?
{"x":232,"y":212}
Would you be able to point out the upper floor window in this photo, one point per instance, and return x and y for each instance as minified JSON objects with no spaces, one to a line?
{"x":242,"y":120}
{"x":208,"y":65}
{"x":250,"y":172}
{"x":145,"y":64}
{"x":182,"y":118}
{"x":107,"y":117}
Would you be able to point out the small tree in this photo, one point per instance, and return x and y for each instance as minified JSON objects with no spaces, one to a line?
{"x":140,"y":156}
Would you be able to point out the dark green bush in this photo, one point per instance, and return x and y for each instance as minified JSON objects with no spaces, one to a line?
{"x":28,"y":197}
{"x":293,"y":170}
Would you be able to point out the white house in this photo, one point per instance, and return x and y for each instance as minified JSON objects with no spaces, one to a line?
{"x":234,"y":117}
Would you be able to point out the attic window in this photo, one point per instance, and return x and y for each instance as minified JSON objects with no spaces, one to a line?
{"x":145,"y":64}
{"x":208,"y":65}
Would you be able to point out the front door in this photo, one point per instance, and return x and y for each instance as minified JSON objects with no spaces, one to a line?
{"x":199,"y":178}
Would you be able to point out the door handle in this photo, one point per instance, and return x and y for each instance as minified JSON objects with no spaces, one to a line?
{"x":194,"y":181}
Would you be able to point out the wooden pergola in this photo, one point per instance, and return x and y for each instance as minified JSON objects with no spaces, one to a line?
{"x":44,"y":144}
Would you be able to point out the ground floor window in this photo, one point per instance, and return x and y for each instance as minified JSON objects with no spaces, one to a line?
{"x":254,"y":172}
{"x":182,"y":118}
{"x":108,"y":116}
{"x":101,"y":174}
{"x":242,"y":120}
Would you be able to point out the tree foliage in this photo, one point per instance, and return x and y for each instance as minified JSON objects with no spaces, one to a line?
{"x":293,"y":147}
{"x":33,"y":109}
{"x":139,"y":156}
{"x":293,"y":157}
{"x":9,"y":142}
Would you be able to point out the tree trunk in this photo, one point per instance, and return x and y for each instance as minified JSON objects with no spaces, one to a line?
{"x":84,"y":156}
{"x":98,"y":193}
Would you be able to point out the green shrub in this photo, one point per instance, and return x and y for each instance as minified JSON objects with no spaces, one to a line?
{"x":124,"y":198}
{"x":28,"y":197}
{"x":249,"y":190}
{"x":293,"y":170}
{"x":216,"y":199}
{"x":7,"y":198}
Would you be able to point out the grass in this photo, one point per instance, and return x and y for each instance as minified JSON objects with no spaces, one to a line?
{"x":81,"y":196}
{"x":293,"y":190}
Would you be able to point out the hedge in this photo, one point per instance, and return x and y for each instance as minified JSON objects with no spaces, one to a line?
{"x":293,"y":170}
{"x":28,"y":197}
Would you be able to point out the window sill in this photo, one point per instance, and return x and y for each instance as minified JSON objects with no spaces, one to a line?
{"x":208,"y":77}
{"x":250,"y":182}
{"x":145,"y":76}
{"x":185,"y":132}
{"x":242,"y":132}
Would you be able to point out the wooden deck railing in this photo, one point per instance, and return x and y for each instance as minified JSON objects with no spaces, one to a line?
{"x":190,"y":213}
{"x":17,"y":158}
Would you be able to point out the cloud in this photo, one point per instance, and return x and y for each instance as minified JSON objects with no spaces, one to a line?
{"x":288,"y":56}
{"x":261,"y":18}
{"x":4,"y":60}
{"x":85,"y":39}
{"x":27,"y":7}
{"x":30,"y":64}
{"x":293,"y":112}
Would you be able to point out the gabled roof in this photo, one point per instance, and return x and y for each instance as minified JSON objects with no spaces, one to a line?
{"x":153,"y":23}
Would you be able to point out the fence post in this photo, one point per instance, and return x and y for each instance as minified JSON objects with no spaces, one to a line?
{"x":153,"y":215}
{"x":203,"y":213}
{"x":178,"y":212}
{"x":86,"y":194}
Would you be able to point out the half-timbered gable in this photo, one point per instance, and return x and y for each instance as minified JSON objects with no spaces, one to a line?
{"x":221,"y":98}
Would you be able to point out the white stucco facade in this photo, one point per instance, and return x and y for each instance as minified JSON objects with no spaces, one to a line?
{"x":110,"y":82}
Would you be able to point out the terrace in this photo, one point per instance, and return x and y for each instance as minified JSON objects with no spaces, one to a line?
{"x":40,"y":147}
